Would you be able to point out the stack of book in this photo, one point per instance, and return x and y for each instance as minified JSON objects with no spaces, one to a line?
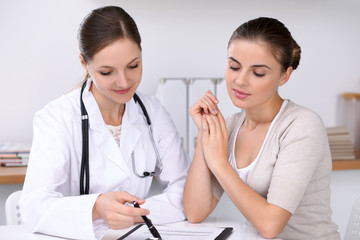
{"x":341,"y":145}
{"x":12,"y":155}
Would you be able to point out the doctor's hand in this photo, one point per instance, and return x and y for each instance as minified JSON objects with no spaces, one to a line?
{"x":111,"y":207}
{"x":214,"y":140}
{"x":206,"y":105}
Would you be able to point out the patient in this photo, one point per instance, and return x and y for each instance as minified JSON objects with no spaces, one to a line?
{"x":272,"y":158}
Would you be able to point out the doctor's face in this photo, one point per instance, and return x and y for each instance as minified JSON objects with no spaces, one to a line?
{"x":253,"y":75}
{"x":116,"y":71}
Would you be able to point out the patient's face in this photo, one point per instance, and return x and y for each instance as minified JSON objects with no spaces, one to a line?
{"x":252,"y":74}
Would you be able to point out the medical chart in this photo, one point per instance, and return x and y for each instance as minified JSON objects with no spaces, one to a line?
{"x":177,"y":233}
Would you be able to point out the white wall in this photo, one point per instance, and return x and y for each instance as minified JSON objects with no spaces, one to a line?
{"x":39,"y":54}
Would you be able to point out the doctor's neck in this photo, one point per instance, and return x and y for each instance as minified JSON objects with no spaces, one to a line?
{"x":111,"y":111}
{"x":113,"y":117}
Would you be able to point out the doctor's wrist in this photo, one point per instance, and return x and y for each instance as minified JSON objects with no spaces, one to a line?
{"x":95,"y":212}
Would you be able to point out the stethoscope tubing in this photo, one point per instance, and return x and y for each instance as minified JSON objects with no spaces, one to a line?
{"x":85,"y":169}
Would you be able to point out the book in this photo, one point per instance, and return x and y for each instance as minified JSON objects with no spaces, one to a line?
{"x":340,"y":142}
{"x":8,"y":155}
{"x":337,"y":130}
{"x":14,"y":164}
{"x":14,"y":154}
{"x":15,"y":148}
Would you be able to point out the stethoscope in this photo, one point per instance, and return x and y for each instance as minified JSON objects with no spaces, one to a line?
{"x":84,"y":171}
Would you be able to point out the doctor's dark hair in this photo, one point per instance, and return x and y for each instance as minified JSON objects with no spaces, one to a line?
{"x":274,"y":33}
{"x":104,"y":25}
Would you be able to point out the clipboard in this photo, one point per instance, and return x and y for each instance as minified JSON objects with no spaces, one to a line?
{"x":224,"y":234}
{"x":140,"y":231}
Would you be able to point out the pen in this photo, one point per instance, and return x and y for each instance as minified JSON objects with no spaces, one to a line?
{"x":149,"y":224}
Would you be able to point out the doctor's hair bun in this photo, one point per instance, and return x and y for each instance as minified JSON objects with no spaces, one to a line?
{"x":104,"y":25}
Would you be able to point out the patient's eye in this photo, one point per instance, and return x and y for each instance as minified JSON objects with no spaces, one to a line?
{"x":234,"y":66}
{"x":259,"y":74}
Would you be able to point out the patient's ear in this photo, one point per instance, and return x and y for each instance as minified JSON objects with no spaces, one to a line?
{"x":285,"y":76}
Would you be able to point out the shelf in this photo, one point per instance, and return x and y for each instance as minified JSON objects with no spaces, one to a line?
{"x":16,"y":175}
{"x":12,"y":175}
{"x":347,"y":164}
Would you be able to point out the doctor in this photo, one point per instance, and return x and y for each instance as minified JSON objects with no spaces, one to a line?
{"x":63,"y":196}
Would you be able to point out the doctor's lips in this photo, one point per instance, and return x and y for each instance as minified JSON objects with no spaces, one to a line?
{"x":122,"y":91}
{"x":241,"y":94}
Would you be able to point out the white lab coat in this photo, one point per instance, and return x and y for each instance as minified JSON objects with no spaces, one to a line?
{"x":50,"y":201}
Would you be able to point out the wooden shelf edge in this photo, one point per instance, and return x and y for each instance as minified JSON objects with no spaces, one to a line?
{"x":14,"y":179}
{"x":12,"y":175}
{"x":350,"y":164}
{"x":346,"y":164}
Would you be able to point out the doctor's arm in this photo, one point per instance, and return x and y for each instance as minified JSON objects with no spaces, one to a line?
{"x":47,"y":202}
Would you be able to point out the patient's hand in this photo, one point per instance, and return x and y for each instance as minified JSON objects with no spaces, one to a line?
{"x":206,"y":105}
{"x":214,"y":140}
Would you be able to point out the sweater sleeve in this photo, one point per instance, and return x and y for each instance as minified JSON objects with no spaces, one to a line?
{"x":302,"y":147}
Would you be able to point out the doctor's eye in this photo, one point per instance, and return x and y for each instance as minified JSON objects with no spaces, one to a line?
{"x":105,"y":73}
{"x":133,"y":66}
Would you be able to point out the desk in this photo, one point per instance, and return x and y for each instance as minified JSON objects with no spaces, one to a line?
{"x":12,"y":175}
{"x":240,"y":231}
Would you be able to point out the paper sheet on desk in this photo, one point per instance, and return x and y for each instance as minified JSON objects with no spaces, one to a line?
{"x":177,"y":233}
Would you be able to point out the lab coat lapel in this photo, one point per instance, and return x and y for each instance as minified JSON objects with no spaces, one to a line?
{"x":130,"y":134}
{"x":100,"y":135}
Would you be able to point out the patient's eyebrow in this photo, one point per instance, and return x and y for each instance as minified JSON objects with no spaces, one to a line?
{"x":253,"y":66}
{"x":260,"y":65}
{"x":234,"y":60}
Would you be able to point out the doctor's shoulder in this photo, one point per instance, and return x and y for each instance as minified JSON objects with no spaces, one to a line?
{"x":63,"y":108}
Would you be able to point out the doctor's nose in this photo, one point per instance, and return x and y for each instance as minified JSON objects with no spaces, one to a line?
{"x":121,"y":80}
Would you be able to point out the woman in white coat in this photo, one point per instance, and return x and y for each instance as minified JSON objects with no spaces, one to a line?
{"x":120,"y":147}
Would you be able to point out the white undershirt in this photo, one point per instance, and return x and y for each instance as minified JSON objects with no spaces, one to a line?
{"x":244,"y":172}
{"x":116,"y":132}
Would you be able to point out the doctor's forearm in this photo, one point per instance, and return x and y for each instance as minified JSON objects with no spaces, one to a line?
{"x":198,"y":198}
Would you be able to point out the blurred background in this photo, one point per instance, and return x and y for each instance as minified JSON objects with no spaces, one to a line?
{"x":39,"y":59}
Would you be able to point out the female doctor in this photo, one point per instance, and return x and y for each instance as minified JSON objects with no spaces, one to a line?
{"x":103,"y":123}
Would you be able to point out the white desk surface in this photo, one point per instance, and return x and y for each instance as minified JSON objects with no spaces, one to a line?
{"x":240,"y":230}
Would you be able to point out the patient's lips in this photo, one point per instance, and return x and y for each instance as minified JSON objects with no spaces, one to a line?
{"x":241,"y":94}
